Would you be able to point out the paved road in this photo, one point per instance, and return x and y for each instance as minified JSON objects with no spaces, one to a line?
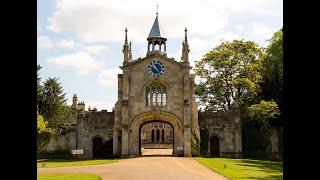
{"x":146,"y":168}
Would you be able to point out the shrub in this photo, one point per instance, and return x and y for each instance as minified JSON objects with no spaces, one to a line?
{"x":57,"y":154}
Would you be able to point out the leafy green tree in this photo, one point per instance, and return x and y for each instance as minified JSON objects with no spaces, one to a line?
{"x":41,"y":124}
{"x":262,"y":113}
{"x":272,"y":70}
{"x":229,"y":72}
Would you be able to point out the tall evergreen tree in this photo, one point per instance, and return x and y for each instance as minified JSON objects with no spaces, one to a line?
{"x":39,"y":90}
{"x":53,"y":105}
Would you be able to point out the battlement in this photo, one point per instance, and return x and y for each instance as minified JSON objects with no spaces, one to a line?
{"x":81,"y":105}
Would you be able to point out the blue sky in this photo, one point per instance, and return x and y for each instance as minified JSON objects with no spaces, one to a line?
{"x":80,"y":41}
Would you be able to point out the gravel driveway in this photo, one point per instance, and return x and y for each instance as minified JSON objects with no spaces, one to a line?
{"x":146,"y":168}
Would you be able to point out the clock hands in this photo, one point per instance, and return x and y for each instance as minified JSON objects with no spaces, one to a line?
{"x":154,"y":66}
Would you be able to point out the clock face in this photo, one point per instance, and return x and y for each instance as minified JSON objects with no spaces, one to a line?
{"x":156,"y":68}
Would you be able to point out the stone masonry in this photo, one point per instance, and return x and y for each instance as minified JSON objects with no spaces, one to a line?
{"x":147,"y":95}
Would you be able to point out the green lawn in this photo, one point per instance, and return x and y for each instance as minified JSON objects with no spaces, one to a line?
{"x":244,"y":168}
{"x":48,"y":163}
{"x":68,"y":177}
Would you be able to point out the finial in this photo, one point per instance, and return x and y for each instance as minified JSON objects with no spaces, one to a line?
{"x":185,"y":34}
{"x":130,"y":52}
{"x":157,"y":9}
{"x":126,"y":38}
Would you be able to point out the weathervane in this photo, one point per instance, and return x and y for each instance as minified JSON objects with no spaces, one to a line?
{"x":157,"y":9}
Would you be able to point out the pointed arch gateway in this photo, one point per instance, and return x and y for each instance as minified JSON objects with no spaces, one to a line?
{"x":155,"y":116}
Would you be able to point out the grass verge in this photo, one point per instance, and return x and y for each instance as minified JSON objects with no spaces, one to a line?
{"x":49,"y":163}
{"x":244,"y":168}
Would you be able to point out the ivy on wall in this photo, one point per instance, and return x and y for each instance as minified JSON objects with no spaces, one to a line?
{"x":254,"y":142}
{"x":195,"y":144}
{"x":204,"y":142}
{"x":43,"y":140}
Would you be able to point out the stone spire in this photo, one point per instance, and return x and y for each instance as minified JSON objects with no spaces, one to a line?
{"x":130,"y":52}
{"x":156,"y":30}
{"x":125,"y":49}
{"x":185,"y":48}
{"x":157,"y":38}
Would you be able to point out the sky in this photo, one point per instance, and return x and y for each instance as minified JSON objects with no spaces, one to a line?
{"x":80,"y":41}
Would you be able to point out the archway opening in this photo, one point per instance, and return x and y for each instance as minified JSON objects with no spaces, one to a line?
{"x":214,"y":146}
{"x":156,"y":138}
{"x":101,"y":149}
{"x":97,"y":147}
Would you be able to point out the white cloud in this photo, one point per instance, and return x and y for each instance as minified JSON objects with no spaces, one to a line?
{"x":239,"y":28}
{"x":82,"y":62}
{"x":66,"y":43}
{"x":101,"y":105}
{"x":96,"y":20}
{"x":227,"y":36}
{"x":96,"y":49}
{"x":261,"y":30}
{"x":109,"y":77}
{"x":44,"y":42}
{"x":199,"y":46}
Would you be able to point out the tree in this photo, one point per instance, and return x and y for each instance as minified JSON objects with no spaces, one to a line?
{"x":262,"y":113}
{"x":52,"y":104}
{"x":41,"y":124}
{"x":272,"y":70}
{"x":228,"y":72}
{"x":39,"y":87}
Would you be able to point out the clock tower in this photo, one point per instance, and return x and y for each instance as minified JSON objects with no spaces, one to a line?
{"x":155,"y":88}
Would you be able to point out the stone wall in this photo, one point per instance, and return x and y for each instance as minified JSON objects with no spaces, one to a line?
{"x":93,"y":124}
{"x":63,"y":141}
{"x":274,"y":153}
{"x":131,"y":104}
{"x":226,"y":126}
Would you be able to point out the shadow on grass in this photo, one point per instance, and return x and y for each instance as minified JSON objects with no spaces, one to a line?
{"x":274,"y":166}
{"x":270,"y":177}
{"x":245,"y":168}
{"x":268,"y":167}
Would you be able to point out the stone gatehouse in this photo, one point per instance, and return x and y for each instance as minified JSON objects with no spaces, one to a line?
{"x":151,"y":89}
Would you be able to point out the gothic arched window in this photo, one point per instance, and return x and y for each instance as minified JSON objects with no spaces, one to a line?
{"x":156,"y":95}
{"x":162,"y":135}
{"x":152,"y":135}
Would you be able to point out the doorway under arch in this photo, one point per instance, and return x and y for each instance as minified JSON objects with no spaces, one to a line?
{"x":102,"y":148}
{"x":97,"y":147}
{"x":214,"y":146}
{"x":156,"y":138}
{"x":134,"y":132}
